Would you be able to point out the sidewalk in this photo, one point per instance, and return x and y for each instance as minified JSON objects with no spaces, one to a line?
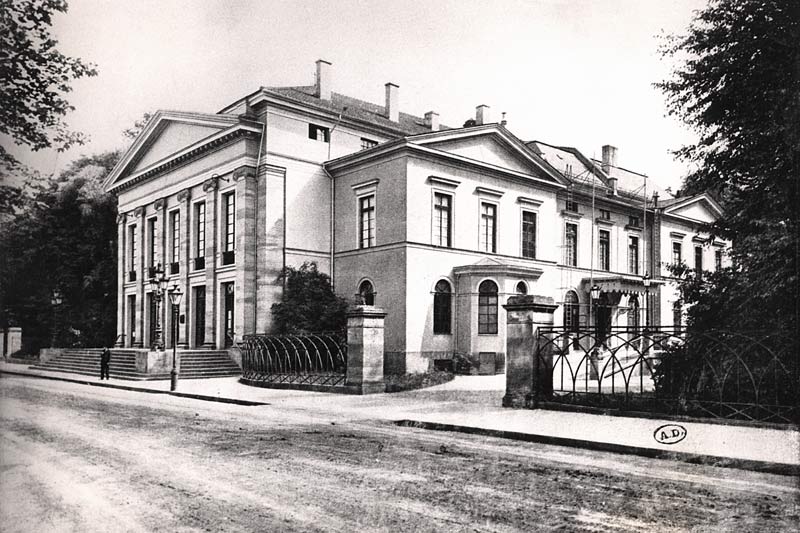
{"x":471,"y":404}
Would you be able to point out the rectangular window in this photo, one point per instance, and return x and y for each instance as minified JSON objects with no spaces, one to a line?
{"x":698,"y":258}
{"x":366,"y":210}
{"x":442,"y":211}
{"x":633,"y":254}
{"x":604,"y":249}
{"x":571,"y":206}
{"x":229,"y":240}
{"x":133,"y":252}
{"x":488,"y":237}
{"x":571,"y":245}
{"x":151,"y":242}
{"x":717,"y":259}
{"x":605,"y":214}
{"x":366,"y":144}
{"x":199,"y":235}
{"x":319,"y":133}
{"x":175,"y":224}
{"x":529,"y":234}
{"x":633,"y":221}
{"x":677,"y":254}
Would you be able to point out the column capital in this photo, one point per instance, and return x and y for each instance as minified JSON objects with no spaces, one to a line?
{"x":184,"y":196}
{"x":245,"y":172}
{"x":159,"y":204}
{"x":121,"y":218}
{"x":210,"y":184}
{"x":138,"y":212}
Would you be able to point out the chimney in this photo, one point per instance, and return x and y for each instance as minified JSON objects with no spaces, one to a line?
{"x":392,"y":102}
{"x":432,"y":120}
{"x":482,"y":115}
{"x":609,"y":158}
{"x":323,"y":79}
{"x":503,"y":120}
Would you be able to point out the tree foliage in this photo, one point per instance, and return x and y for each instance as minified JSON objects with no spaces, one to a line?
{"x":64,"y":239}
{"x":737,"y":85}
{"x":35,"y":77}
{"x":309,"y":304}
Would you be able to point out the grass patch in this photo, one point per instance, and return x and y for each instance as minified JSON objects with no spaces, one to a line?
{"x":423,"y":380}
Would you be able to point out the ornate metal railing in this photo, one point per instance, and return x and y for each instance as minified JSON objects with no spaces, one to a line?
{"x":719,"y":374}
{"x":295,"y":359}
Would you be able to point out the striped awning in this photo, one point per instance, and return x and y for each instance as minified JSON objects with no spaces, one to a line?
{"x":621,"y":284}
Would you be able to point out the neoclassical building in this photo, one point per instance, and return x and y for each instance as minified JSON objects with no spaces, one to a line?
{"x":437,"y":225}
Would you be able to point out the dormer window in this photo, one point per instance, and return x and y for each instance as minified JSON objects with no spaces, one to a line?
{"x":605,"y":214}
{"x":366,"y":144}
{"x":319,"y":133}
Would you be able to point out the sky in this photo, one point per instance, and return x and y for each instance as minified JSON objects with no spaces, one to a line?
{"x":567,"y":72}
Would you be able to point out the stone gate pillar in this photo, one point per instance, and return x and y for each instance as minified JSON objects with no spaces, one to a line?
{"x":524,"y":316}
{"x":365,"y":349}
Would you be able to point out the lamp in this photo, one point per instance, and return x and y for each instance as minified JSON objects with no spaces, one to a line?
{"x":158,"y":284}
{"x":646,"y":281}
{"x":595,"y":292}
{"x":55,"y":301}
{"x":175,"y":295}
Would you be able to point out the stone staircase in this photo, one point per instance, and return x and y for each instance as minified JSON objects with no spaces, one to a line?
{"x":194,"y":364}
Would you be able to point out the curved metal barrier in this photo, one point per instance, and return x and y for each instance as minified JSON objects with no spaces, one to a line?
{"x":719,"y":374}
{"x":295,"y":359}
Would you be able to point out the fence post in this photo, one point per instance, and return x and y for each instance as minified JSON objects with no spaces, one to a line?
{"x":365,"y":349}
{"x":525,"y":315}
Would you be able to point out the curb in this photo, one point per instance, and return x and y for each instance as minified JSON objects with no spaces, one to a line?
{"x":652,"y":453}
{"x":201,"y":397}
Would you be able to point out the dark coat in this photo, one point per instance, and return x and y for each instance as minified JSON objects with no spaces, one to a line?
{"x":105,"y":358}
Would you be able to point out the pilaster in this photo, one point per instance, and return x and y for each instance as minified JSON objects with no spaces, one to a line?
{"x":246,"y":236}
{"x":138,"y":342}
{"x":184,"y":198}
{"x":160,"y":207}
{"x":121,"y":273}
{"x":210,"y":187}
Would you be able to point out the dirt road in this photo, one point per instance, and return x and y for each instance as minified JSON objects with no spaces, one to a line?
{"x":78,"y":458}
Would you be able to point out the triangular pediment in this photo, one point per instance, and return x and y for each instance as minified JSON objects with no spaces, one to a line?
{"x":491,"y":145}
{"x":701,"y":208}
{"x":166,"y":135}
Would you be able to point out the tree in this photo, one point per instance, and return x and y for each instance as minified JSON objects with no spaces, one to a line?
{"x":737,"y":85}
{"x":65,"y":239}
{"x":309,"y":304}
{"x":35,"y":77}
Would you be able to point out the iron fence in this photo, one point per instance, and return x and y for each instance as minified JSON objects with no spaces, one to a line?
{"x":295,"y":359}
{"x":718,"y":374}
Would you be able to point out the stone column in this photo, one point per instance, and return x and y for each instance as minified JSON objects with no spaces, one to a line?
{"x":160,"y":207}
{"x":246,"y":231}
{"x":184,"y":198}
{"x":121,"y":274}
{"x":524,"y":316}
{"x":365,"y":349}
{"x":210,"y":188}
{"x":140,"y":278}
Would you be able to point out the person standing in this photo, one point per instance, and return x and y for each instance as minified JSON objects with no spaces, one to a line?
{"x":105,"y":362}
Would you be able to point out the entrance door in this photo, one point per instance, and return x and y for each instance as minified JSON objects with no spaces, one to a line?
{"x":199,"y":298}
{"x":603,"y":318}
{"x":227,"y":312}
{"x":152,"y":315}
{"x":131,"y":320}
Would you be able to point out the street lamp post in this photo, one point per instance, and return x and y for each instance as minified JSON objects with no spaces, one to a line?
{"x":646,"y":282}
{"x":158,"y":284}
{"x":175,"y":295}
{"x":594,"y":355}
{"x":55,"y":301}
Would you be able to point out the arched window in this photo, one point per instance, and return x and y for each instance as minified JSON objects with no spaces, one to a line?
{"x":366,"y":292}
{"x":442,"y":308}
{"x":572,"y":312}
{"x":487,"y":307}
{"x":634,"y":319}
{"x":522,"y":289}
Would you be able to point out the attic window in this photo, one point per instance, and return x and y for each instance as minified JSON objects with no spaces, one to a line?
{"x":319,"y":133}
{"x":366,"y":144}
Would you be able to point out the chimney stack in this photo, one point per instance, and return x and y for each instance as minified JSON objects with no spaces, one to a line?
{"x":323,"y":79}
{"x":482,"y":115}
{"x":609,"y":158}
{"x":432,"y":120}
{"x":392,"y":102}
